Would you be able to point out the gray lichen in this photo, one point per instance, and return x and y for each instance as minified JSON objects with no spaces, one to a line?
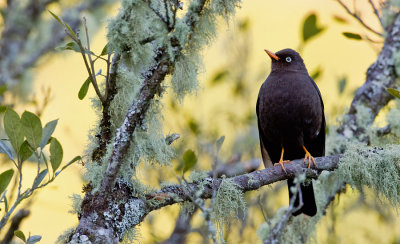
{"x":227,"y":204}
{"x":76,"y":204}
{"x":376,"y":168}
{"x":122,"y":217}
{"x":301,"y":229}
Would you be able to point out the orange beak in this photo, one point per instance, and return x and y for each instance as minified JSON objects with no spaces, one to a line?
{"x":271,"y":54}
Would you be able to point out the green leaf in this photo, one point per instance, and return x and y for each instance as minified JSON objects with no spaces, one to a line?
{"x":5,"y":179}
{"x":32,"y":128}
{"x":353,"y":36}
{"x":70,"y":46}
{"x":342,"y":85}
{"x":189,"y":160}
{"x":56,"y":17}
{"x":70,"y":30}
{"x":13,"y":128}
{"x":310,"y":27}
{"x":316,"y":73}
{"x":5,"y":149}
{"x":76,"y":158}
{"x":25,"y":151}
{"x":105,"y":50}
{"x":39,"y":178}
{"x":84,"y":89}
{"x":219,"y":143}
{"x":20,"y":235}
{"x":194,"y":126}
{"x":47,"y":132}
{"x":56,"y":154}
{"x":394,"y":92}
{"x":340,"y":19}
{"x":3,"y":108}
{"x":3,"y":88}
{"x":244,"y":24}
{"x":219,"y":76}
{"x":64,"y":24}
{"x":33,"y":239}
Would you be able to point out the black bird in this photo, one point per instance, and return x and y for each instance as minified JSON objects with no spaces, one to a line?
{"x":291,"y":121}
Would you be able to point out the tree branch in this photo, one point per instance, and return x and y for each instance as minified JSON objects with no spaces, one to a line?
{"x":15,"y":35}
{"x":135,"y":115}
{"x":276,"y":231}
{"x":246,"y":182}
{"x":372,"y":94}
{"x":100,"y":229}
{"x":358,"y":18}
{"x":15,"y":223}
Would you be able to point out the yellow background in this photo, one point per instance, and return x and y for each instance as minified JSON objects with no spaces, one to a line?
{"x":274,"y":25}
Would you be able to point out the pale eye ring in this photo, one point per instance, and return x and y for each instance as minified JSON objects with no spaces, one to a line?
{"x":288,"y":59}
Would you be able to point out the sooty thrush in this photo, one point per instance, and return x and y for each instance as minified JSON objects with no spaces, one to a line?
{"x":291,"y":119}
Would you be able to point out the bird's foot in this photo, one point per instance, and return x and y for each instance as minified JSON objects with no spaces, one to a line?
{"x":281,"y":162}
{"x":309,"y":158}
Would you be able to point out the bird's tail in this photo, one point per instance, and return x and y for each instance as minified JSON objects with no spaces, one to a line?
{"x":309,"y":207}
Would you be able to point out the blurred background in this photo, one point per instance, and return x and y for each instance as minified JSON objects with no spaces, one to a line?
{"x":235,"y":66}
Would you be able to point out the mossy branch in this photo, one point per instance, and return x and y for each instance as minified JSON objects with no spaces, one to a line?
{"x":134,"y":117}
{"x":136,"y":112}
{"x":250,"y":181}
{"x":380,"y":76}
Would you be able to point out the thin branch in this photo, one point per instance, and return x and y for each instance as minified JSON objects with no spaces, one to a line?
{"x":355,"y":15}
{"x":135,"y":115}
{"x":105,"y":134}
{"x":182,"y":228}
{"x":229,"y":169}
{"x":276,"y":232}
{"x":17,"y":35}
{"x":163,"y":18}
{"x":376,"y":12}
{"x":199,"y":203}
{"x":107,"y":76}
{"x":92,"y":73}
{"x":15,"y":223}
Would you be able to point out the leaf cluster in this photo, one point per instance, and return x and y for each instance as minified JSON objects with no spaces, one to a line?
{"x":27,"y":140}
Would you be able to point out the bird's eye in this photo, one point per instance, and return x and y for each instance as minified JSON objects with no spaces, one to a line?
{"x":288,"y":59}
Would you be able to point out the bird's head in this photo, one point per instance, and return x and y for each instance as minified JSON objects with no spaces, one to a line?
{"x":286,"y":60}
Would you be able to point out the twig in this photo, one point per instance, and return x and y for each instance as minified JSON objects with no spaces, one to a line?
{"x":92,"y":73}
{"x":163,"y":19}
{"x":15,"y":223}
{"x":182,"y":224}
{"x":107,"y":76}
{"x":276,"y":231}
{"x":182,"y":228}
{"x":16,"y":35}
{"x":236,"y":168}
{"x":355,"y":15}
{"x":105,"y":133}
{"x":376,"y":12}
{"x":198,"y":202}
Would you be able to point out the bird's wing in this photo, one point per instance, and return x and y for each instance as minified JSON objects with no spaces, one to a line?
{"x":318,"y":144}
{"x":319,"y":93}
{"x":265,"y":156}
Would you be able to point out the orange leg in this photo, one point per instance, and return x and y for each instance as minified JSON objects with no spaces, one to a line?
{"x":309,"y":157}
{"x":281,"y":162}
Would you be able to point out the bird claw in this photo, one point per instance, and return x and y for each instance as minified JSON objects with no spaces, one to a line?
{"x":310,"y":158}
{"x":281,"y":164}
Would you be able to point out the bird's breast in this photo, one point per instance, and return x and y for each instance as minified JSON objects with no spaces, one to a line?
{"x":289,"y":106}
